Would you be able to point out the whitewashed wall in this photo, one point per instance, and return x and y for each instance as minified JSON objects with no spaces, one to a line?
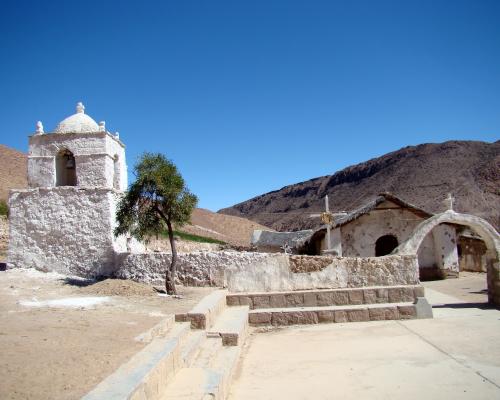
{"x":94,"y":156}
{"x":64,"y":229}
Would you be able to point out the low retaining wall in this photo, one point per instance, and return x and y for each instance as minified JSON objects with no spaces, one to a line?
{"x":250,"y":272}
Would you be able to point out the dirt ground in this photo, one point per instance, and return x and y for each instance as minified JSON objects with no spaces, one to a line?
{"x":60,"y":337}
{"x":470,"y":287}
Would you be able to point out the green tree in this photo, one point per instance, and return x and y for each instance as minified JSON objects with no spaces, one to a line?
{"x":158,"y":199}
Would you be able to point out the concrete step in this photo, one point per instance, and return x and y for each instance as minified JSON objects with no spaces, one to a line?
{"x":210,"y":375}
{"x":190,"y":348}
{"x":327,"y":297}
{"x":329,"y":314}
{"x":204,"y":314}
{"x":231,"y":326}
{"x":159,"y":330}
{"x":147,"y":373}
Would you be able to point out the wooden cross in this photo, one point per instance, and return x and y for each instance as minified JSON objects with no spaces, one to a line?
{"x":327,"y":219}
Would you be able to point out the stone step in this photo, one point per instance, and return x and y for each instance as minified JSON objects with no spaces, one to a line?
{"x":231,"y":326}
{"x":147,"y":373}
{"x":204,"y":314}
{"x":327,"y":297}
{"x":210,"y":375}
{"x":329,"y":314}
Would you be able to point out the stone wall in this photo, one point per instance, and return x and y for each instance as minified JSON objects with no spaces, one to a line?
{"x":64,"y":229}
{"x":472,"y":254}
{"x":246,"y":271}
{"x":274,"y":242}
{"x":4,"y":237}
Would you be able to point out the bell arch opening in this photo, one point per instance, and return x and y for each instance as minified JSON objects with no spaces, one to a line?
{"x":65,"y":168}
{"x":385,"y":245}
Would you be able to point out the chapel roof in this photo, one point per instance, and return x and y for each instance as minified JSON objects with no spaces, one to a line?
{"x":371,"y":205}
{"x":77,"y":123}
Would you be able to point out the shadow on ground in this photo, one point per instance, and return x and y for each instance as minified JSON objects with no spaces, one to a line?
{"x":481,"y":306}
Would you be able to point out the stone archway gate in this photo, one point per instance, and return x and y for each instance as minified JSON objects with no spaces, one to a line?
{"x":487,"y":233}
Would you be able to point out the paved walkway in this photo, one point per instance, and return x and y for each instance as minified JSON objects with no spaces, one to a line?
{"x":456,"y":355}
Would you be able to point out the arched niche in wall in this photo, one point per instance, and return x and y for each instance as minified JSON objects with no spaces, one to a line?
{"x":385,"y":245}
{"x":65,"y":168}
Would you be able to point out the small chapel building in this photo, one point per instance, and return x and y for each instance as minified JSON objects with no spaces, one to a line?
{"x":380,"y":226}
{"x":64,"y":221}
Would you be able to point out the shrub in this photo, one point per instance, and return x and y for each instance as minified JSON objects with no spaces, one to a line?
{"x":4,"y":208}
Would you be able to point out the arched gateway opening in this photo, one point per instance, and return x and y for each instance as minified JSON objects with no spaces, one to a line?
{"x":481,"y":227}
{"x":65,"y":169}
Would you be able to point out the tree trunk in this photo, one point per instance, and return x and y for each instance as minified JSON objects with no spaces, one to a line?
{"x":170,"y":273}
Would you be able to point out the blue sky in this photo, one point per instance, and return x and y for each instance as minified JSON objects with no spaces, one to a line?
{"x":247,"y":97}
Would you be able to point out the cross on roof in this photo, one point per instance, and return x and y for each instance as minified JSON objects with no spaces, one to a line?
{"x":327,"y":219}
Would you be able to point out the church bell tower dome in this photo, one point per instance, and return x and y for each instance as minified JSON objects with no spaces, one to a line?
{"x":77,"y":123}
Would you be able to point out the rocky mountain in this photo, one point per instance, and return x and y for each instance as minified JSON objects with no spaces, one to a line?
{"x":422,"y":175}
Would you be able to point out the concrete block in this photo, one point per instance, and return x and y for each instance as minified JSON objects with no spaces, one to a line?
{"x":341,"y":316}
{"x":294,"y":299}
{"x":376,"y":314}
{"x":407,"y":294}
{"x":423,"y":308}
{"x":232,"y":300}
{"x":261,"y":301}
{"x":395,"y":295}
{"x":358,"y":315}
{"x":294,"y":318}
{"x":277,"y":300}
{"x":340,"y":298}
{"x":230,"y":339}
{"x":181,"y":318}
{"x":246,"y":301}
{"x":259,"y":318}
{"x":198,"y":321}
{"x":369,"y":296}
{"x":326,"y":316}
{"x":382,"y":295}
{"x":355,"y":297}
{"x":280,"y":319}
{"x":310,"y":299}
{"x":305,"y":317}
{"x":391,"y":313}
{"x":419,"y":291}
{"x":325,"y":299}
{"x":407,"y":312}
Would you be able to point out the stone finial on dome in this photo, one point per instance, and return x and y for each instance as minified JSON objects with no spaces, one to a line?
{"x":78,"y":122}
{"x":39,"y":128}
{"x":117,"y":135}
{"x":102,"y":126}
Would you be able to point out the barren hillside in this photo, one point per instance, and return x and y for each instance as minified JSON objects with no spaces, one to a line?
{"x":231,"y":229}
{"x":422,"y":175}
{"x":13,"y":167}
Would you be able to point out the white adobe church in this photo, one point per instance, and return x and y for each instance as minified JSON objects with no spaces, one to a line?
{"x":64,"y":221}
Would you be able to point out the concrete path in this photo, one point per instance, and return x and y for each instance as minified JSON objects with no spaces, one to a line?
{"x":455,"y":355}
